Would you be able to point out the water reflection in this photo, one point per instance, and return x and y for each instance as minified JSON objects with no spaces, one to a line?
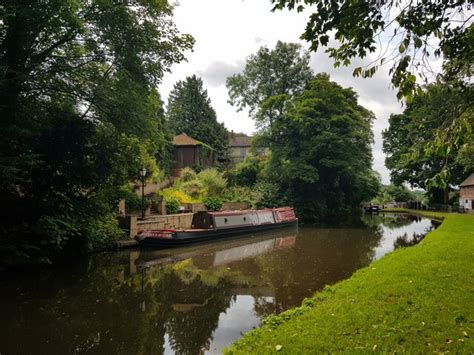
{"x":188,"y":300}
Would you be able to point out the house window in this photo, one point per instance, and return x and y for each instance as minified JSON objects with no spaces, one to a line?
{"x":243,"y":151}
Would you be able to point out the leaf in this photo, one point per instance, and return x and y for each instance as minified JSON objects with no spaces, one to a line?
{"x":357,"y":71}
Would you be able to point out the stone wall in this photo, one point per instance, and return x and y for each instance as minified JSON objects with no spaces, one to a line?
{"x":171,"y":221}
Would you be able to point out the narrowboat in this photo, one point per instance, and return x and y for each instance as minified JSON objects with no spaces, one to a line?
{"x":208,"y":226}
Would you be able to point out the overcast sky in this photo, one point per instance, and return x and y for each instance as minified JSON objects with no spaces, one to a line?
{"x":227,"y":32}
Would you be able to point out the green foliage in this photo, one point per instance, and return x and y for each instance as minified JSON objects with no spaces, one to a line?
{"x":133,"y":202}
{"x":247,"y":172}
{"x":238,"y":194}
{"x":100,"y":233}
{"x":394,"y":193}
{"x":213,"y":182}
{"x":193,"y":188}
{"x":266,"y":195}
{"x":187,"y":174}
{"x":321,"y":155}
{"x":400,"y":193}
{"x":269,"y":79}
{"x":190,"y":111}
{"x":172,"y":205}
{"x":213,"y":203}
{"x":361,"y":26}
{"x":176,"y":193}
{"x":425,"y":145}
{"x":79,"y":114}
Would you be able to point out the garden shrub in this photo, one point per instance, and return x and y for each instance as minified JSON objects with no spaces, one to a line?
{"x":187,"y":174}
{"x":175,"y":193}
{"x":213,"y":182}
{"x":172,"y":205}
{"x":133,"y":202}
{"x":266,"y":194}
{"x":238,"y":194}
{"x":192,"y":188}
{"x":245,"y":173}
{"x":213,"y":203}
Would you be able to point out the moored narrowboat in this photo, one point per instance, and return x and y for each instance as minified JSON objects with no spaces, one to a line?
{"x":208,"y":226}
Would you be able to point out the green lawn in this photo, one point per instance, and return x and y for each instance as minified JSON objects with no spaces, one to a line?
{"x":417,"y":300}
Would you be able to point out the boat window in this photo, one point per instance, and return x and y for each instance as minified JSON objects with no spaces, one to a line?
{"x":225,"y":220}
{"x":245,"y":218}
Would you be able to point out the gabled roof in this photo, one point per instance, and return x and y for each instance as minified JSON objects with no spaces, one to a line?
{"x":469,"y":181}
{"x":184,"y":139}
{"x":239,"y":140}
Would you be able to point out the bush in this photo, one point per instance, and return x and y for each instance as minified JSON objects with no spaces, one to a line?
{"x":187,"y":174}
{"x":238,"y":194}
{"x":266,"y":194}
{"x":101,"y":233}
{"x":133,"y":202}
{"x":192,"y":188}
{"x":245,"y":173}
{"x":213,"y":182}
{"x":172,"y":205}
{"x":175,"y":193}
{"x":213,"y":203}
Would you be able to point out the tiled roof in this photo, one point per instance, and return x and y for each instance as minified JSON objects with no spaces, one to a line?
{"x":184,"y":139}
{"x":239,"y":141}
{"x":469,"y":181}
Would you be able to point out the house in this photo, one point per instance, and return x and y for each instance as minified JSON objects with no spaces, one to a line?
{"x":240,"y":147}
{"x":466,"y":194}
{"x":189,"y":152}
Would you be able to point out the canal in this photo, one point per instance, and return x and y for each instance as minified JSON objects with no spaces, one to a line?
{"x":189,"y":300}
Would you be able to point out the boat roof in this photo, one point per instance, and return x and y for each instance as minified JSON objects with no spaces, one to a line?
{"x":237,"y":212}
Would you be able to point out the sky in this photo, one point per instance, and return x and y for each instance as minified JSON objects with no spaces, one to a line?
{"x":227,"y":32}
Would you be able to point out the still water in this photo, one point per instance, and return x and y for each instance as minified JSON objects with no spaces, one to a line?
{"x":190,"y":300}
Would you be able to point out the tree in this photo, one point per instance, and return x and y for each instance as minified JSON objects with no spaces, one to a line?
{"x":189,"y":111}
{"x":322,"y":161}
{"x":410,"y":34}
{"x":79,"y":116}
{"x":422,"y":147}
{"x":269,"y":79}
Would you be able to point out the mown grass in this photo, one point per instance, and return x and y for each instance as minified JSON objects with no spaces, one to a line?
{"x":416,"y":300}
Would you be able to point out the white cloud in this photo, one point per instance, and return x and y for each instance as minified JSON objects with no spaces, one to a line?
{"x":227,"y":32}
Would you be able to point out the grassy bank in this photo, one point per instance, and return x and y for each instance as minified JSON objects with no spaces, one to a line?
{"x":417,"y":300}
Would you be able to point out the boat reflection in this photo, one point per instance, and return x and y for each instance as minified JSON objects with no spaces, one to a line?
{"x":220,"y":253}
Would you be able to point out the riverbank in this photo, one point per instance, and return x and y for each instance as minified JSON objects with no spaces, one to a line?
{"x":418,"y":299}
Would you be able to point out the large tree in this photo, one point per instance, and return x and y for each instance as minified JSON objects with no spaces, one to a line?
{"x":322,"y":159}
{"x":189,"y":111}
{"x":269,"y":79}
{"x":79,"y":115}
{"x":407,"y":34}
{"x":422,"y":149}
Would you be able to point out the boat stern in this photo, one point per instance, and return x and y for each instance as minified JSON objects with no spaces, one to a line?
{"x":162,"y":234}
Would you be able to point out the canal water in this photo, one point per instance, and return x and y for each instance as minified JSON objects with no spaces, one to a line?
{"x":189,"y":300}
